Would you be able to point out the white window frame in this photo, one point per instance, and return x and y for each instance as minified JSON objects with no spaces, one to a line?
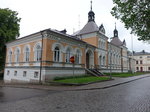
{"x":37,"y":52}
{"x":15,"y":73}
{"x":17,"y":55}
{"x":36,"y":74}
{"x":57,"y":54}
{"x":24,"y":73}
{"x":10,"y":56}
{"x":27,"y":54}
{"x":68,"y":55}
{"x":78,"y":57}
{"x":8,"y":72}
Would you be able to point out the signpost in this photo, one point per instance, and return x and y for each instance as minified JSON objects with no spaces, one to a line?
{"x":72,"y":60}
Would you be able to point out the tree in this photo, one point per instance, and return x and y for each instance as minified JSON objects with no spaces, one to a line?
{"x":135,"y":14}
{"x":9,"y":30}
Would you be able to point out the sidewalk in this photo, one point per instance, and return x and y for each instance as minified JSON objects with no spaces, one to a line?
{"x":99,"y":85}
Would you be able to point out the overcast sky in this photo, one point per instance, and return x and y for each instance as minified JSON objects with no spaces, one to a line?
{"x":72,"y":15}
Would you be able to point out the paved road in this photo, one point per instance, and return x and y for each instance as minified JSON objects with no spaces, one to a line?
{"x":129,"y":97}
{"x":10,"y":94}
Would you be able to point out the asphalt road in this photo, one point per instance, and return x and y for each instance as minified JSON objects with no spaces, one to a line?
{"x":129,"y":97}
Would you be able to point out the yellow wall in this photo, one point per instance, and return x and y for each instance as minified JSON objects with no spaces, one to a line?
{"x":47,"y":52}
{"x":92,"y":40}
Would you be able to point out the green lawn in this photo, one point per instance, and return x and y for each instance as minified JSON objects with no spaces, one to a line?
{"x":124,"y":74}
{"x":81,"y":80}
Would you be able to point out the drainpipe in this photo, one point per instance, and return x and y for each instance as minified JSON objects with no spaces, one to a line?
{"x":40,"y":80}
{"x":122,"y":60}
{"x":110,"y":61}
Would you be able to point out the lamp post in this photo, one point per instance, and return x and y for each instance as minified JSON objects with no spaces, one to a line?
{"x":72,"y":60}
{"x":132,"y":70}
{"x":110,"y":61}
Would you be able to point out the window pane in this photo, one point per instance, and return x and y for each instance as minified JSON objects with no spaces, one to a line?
{"x":68,"y":56}
{"x":56,"y":54}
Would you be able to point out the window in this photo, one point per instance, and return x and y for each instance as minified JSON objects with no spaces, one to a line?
{"x":8,"y":72}
{"x":27,"y":54}
{"x":24,"y":73}
{"x":148,"y":56}
{"x":100,"y":60}
{"x":10,"y":57}
{"x":77,"y":58}
{"x":104,"y":60}
{"x":15,"y":73}
{"x":38,"y":53}
{"x":104,"y":45}
{"x":17,"y":55}
{"x":141,"y":69}
{"x":148,"y":68}
{"x":99,"y":42}
{"x":68,"y":55}
{"x":141,"y":62}
{"x":36,"y":74}
{"x":137,"y":68}
{"x":56,"y":54}
{"x":136,"y":62}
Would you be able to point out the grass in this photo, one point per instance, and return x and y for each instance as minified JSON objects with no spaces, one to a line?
{"x":123,"y":75}
{"x":81,"y":79}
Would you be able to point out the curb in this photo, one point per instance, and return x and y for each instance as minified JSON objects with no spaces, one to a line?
{"x":74,"y":89}
{"x":109,"y":86}
{"x":75,"y":84}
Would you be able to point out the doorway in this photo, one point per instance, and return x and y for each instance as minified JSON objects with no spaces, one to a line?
{"x":141,"y":69}
{"x":87,"y":60}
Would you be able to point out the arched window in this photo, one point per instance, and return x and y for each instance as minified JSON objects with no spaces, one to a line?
{"x":114,"y":59}
{"x":100,"y":60}
{"x":104,"y":60}
{"x":68,"y":55}
{"x":17,"y":55}
{"x":99,"y":44}
{"x":78,"y":57}
{"x":37,"y":53}
{"x":27,"y":54}
{"x":119,"y":61}
{"x":10,"y":56}
{"x":57,"y":54}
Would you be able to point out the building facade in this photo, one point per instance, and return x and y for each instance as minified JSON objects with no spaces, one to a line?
{"x":142,"y":61}
{"x":46,"y":54}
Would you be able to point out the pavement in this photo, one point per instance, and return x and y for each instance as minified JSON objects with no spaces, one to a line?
{"x":97,"y":85}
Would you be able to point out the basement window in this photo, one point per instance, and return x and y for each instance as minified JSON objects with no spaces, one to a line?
{"x":15,"y":73}
{"x":36,"y":74}
{"x":24,"y":73}
{"x":8,"y":72}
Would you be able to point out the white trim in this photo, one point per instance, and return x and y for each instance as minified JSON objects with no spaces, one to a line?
{"x":24,"y":52}
{"x":57,"y":44}
{"x":35,"y":51}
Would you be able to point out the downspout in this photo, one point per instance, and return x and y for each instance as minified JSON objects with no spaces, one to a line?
{"x":121,"y":60}
{"x":40,"y":80}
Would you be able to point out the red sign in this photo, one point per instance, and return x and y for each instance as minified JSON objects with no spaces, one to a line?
{"x":72,"y":60}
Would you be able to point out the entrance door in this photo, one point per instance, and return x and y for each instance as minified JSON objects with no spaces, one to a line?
{"x":141,"y":69}
{"x":87,"y":60}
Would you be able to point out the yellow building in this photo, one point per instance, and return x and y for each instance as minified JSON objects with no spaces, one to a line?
{"x":46,"y":54}
{"x":142,"y":61}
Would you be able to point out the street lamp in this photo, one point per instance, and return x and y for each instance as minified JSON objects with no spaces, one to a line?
{"x":132,"y":70}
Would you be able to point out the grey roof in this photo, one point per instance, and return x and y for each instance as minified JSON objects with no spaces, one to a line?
{"x":89,"y":28}
{"x":116,"y":41}
{"x":76,"y":33}
{"x":141,"y":53}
